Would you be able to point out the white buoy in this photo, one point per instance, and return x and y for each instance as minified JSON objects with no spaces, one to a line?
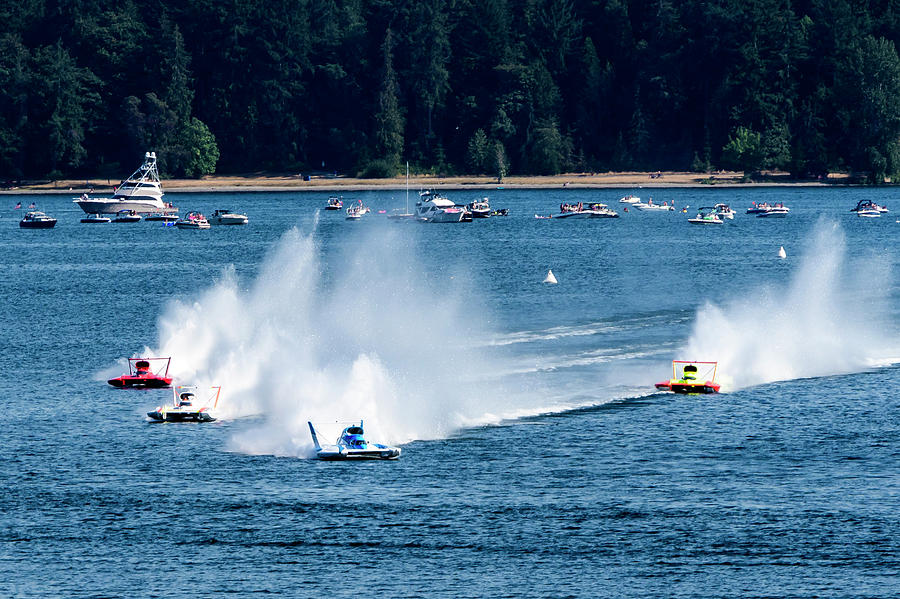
{"x":550,"y":278}
{"x":782,"y":253}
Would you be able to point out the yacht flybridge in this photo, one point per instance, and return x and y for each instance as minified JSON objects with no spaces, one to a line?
{"x":141,"y":192}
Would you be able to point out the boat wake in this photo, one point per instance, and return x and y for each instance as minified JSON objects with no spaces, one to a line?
{"x":338,"y":335}
{"x":832,"y":317}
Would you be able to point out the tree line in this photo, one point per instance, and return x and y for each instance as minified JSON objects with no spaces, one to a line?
{"x":452,"y":86}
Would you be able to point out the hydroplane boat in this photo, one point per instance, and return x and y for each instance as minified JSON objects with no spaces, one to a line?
{"x":352,"y":445}
{"x":140,"y":375}
{"x":186,"y":407}
{"x":685,"y":378}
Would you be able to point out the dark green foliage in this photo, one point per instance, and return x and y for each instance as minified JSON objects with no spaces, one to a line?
{"x":487,"y":86}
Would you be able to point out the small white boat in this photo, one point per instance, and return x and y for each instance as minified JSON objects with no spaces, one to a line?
{"x":777,"y":211}
{"x":186,"y":407}
{"x":580,"y":210}
{"x":479,"y":208}
{"x":352,"y":445}
{"x":127,"y":216}
{"x":95,"y":218}
{"x":630,"y":199}
{"x":869,"y":209}
{"x":228,"y":217}
{"x":724,"y":211}
{"x":706,"y":216}
{"x":334,"y":203}
{"x":651,"y":207}
{"x":193,"y":220}
{"x":598,"y":210}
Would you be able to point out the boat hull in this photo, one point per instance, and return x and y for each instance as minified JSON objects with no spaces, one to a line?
{"x":178,"y":415}
{"x":693,"y":388}
{"x":38,"y":224}
{"x":112,"y":205}
{"x":381,"y":453}
{"x":140,"y":382}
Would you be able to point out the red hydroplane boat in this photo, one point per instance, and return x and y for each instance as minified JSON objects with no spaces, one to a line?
{"x":140,"y":375}
{"x":685,"y":378}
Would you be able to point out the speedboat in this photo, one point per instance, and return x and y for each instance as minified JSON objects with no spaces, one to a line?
{"x":140,"y":192}
{"x":598,"y":210}
{"x":140,"y":375}
{"x":567,"y":210}
{"x":227,"y":217}
{"x":37,"y":220}
{"x":651,"y":207}
{"x":352,"y":445}
{"x":435,"y":208}
{"x":724,"y":211}
{"x":479,"y":208}
{"x":777,"y":211}
{"x":630,"y":199}
{"x":186,"y":407}
{"x":166,"y":217}
{"x":706,"y":216}
{"x":95,"y":218}
{"x":758,"y":208}
{"x":127,"y":216}
{"x":354,"y":212}
{"x":685,"y":378}
{"x":500,"y":212}
{"x":193,"y":220}
{"x":334,"y":203}
{"x":869,"y":209}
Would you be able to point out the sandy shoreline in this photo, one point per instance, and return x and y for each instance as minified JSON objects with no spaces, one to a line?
{"x":288,"y":183}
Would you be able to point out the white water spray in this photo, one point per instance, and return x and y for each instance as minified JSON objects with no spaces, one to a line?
{"x":831,"y":318}
{"x":372,"y":335}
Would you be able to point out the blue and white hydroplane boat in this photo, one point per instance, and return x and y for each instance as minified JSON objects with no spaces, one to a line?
{"x":352,"y":445}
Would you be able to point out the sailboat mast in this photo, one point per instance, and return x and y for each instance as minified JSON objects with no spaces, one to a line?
{"x":407,"y":186}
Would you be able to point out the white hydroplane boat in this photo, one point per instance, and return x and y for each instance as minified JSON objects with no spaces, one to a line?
{"x":352,"y":445}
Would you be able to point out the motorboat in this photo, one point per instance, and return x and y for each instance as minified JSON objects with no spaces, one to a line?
{"x":95,"y":218}
{"x":479,"y":208}
{"x":166,"y":217}
{"x":651,"y":207}
{"x":500,"y":212}
{"x":37,"y":220}
{"x":758,"y":208}
{"x":192,"y":220}
{"x":598,"y":210}
{"x":228,"y":217}
{"x":630,"y":199}
{"x":187,"y":407}
{"x":776,"y":211}
{"x":435,"y":208}
{"x":352,"y":445}
{"x":334,"y":203}
{"x":140,"y":374}
{"x":140,"y":192}
{"x":706,"y":216}
{"x":127,"y":216}
{"x":868,"y":209}
{"x":724,"y":211}
{"x":686,"y":378}
{"x":354,"y":212}
{"x":567,"y":210}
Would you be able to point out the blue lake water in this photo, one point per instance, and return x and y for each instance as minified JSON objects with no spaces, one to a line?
{"x":537,"y":459}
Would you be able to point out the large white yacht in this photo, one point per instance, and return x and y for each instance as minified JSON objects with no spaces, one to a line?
{"x":435,"y":208}
{"x":140,"y":192}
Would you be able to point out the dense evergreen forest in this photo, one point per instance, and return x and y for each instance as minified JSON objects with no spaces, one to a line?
{"x":452,"y":86}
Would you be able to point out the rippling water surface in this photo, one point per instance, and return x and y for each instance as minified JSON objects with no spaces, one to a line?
{"x":537,"y":459}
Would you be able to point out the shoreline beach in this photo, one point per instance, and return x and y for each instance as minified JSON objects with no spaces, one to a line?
{"x":327,"y":183}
